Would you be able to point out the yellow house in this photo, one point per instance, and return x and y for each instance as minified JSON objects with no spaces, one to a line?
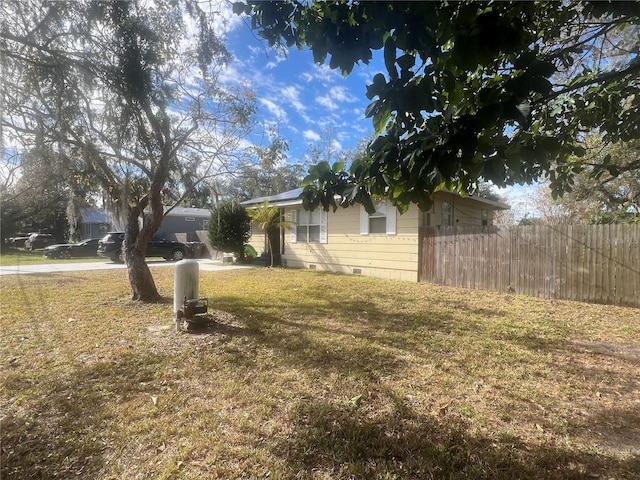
{"x":384,"y":244}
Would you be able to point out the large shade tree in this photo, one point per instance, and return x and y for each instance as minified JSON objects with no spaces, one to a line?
{"x":496,"y":91}
{"x":43,"y":189}
{"x":270,"y":173}
{"x":35,"y":196}
{"x":131,"y":88}
{"x":596,"y":196}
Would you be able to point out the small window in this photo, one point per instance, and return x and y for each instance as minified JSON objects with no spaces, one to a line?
{"x":485,"y":218}
{"x":378,"y":220}
{"x":382,"y":221}
{"x":189,"y":219}
{"x":310,"y":226}
{"x":446,"y":213}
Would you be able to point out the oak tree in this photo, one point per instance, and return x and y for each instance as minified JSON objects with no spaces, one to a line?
{"x":610,"y":195}
{"x":129,"y":87}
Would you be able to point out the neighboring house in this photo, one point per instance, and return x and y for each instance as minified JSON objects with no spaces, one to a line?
{"x":384,"y":244}
{"x":94,"y":223}
{"x":184,"y":220}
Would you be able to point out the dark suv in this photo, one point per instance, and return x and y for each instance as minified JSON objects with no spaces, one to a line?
{"x":110,"y":246}
{"x":39,"y":240}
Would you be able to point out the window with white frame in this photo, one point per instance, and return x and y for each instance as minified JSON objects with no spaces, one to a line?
{"x":446,"y":213}
{"x":382,"y":221}
{"x":309,"y":226}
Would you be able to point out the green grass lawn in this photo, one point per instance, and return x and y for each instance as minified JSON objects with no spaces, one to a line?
{"x":19,"y":256}
{"x":313,"y":376}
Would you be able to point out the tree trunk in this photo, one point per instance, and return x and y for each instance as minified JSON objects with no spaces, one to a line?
{"x":274,"y":245}
{"x":143,"y":287}
{"x":270,"y":252}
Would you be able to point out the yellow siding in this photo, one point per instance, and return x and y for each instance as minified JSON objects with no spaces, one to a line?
{"x":257,"y":239}
{"x":464,"y":211}
{"x":394,"y":257}
{"x":347,"y":251}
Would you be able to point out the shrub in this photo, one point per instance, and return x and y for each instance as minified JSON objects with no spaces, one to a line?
{"x":229,"y":227}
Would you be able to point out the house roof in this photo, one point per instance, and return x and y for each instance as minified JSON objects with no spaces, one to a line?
{"x":490,"y":203}
{"x":188,"y":212}
{"x":93,"y":215}
{"x":293,"y":197}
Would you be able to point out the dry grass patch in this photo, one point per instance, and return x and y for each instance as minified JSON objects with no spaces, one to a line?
{"x":307,"y":375}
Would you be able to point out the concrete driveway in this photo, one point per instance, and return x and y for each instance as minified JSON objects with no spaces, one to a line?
{"x":61,"y":267}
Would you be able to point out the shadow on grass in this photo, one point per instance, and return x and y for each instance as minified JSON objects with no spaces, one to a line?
{"x":63,"y":426}
{"x":65,"y":431}
{"x":314,"y":345}
{"x":56,"y":436}
{"x":344,"y":441}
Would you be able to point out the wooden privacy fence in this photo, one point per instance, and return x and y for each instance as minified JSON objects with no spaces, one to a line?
{"x":588,"y":263}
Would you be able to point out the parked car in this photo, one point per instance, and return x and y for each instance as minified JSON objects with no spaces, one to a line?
{"x":18,"y":239}
{"x":86,"y":248}
{"x":38,"y":240}
{"x":110,"y":246}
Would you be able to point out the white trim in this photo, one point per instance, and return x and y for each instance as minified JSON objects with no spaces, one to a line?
{"x":293,"y":232}
{"x":323,"y":226}
{"x":364,"y":221}
{"x":391,"y":218}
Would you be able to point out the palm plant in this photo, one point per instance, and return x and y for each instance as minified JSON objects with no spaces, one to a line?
{"x":268,"y":219}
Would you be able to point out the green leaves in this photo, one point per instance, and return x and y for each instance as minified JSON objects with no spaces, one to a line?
{"x":390,"y":57}
{"x":377,"y":87}
{"x":324,"y":183}
{"x":473,"y":90}
{"x":229,"y":227}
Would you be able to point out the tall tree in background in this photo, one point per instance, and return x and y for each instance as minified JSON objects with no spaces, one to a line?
{"x":471,"y":89}
{"x":610,"y":195}
{"x":44,"y":191}
{"x":130,"y":88}
{"x":37,"y":197}
{"x":269,"y":174}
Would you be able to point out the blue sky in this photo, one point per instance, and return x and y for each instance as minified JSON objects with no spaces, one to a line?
{"x":303,"y":101}
{"x":299,"y":99}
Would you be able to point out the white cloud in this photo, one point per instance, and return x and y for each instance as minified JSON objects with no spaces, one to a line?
{"x":223,"y":18}
{"x":292,"y":95}
{"x":231,"y":74}
{"x":279,"y":57}
{"x":327,"y":102}
{"x":341,"y":94}
{"x":275,"y":110}
{"x":366,"y":73}
{"x":336,"y":96}
{"x":322,"y":74}
{"x":311,"y":136}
